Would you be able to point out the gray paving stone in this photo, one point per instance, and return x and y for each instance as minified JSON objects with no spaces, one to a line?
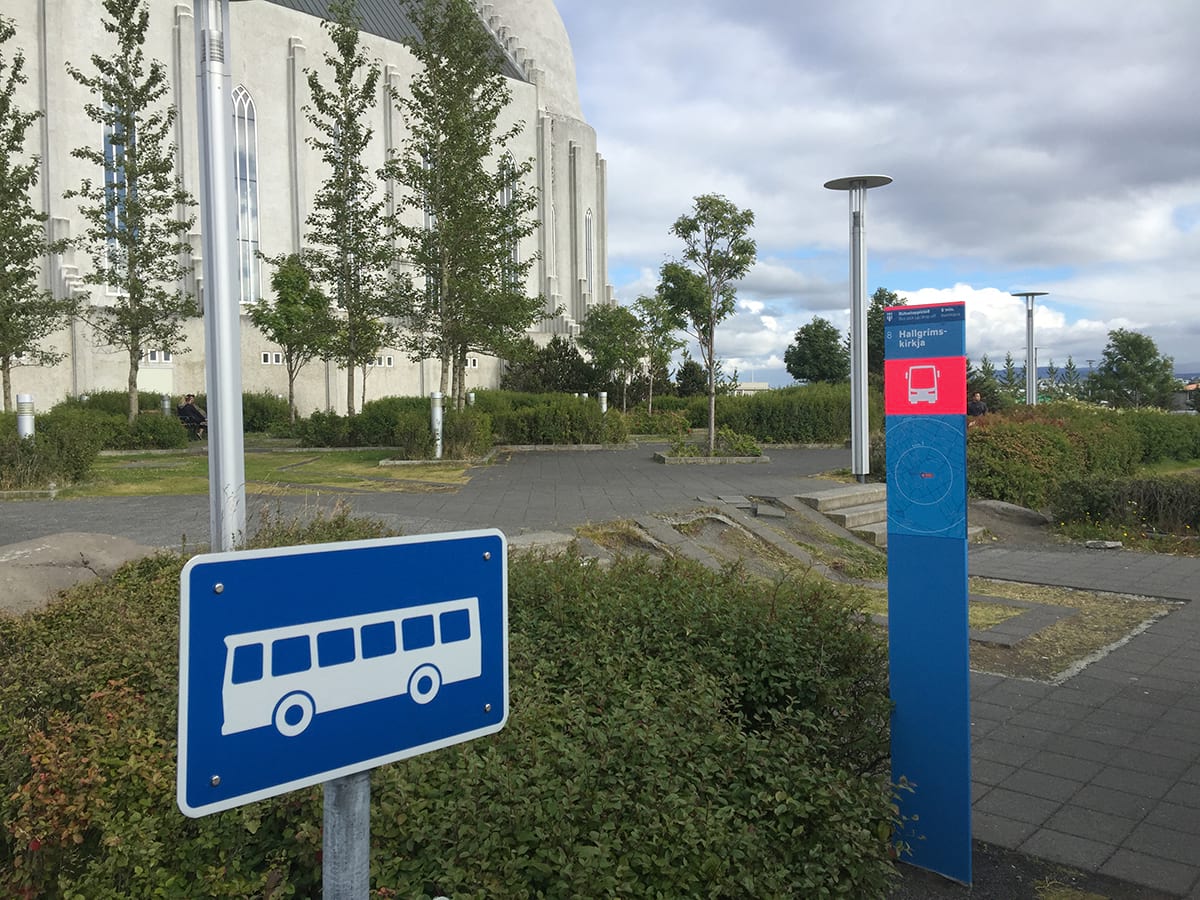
{"x":1165,"y":843}
{"x":1145,"y":762}
{"x":1110,"y":800}
{"x":1064,"y":765}
{"x":1018,"y":806}
{"x":1069,"y":849}
{"x":1041,"y":784}
{"x":999,"y":830}
{"x":1002,"y":751}
{"x":1181,"y":818}
{"x":986,"y":771}
{"x":1092,"y":824}
{"x":1150,"y":787}
{"x":1081,"y":748}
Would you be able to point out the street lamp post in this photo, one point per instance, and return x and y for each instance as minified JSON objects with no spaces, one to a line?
{"x":1030,"y":375}
{"x":860,"y":445}
{"x":222,"y":323}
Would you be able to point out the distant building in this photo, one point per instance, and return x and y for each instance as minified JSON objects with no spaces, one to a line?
{"x":272,"y":43}
{"x":749,"y":388}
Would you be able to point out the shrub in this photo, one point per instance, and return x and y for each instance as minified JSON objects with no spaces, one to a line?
{"x":730,"y":443}
{"x":112,"y":402}
{"x":551,"y":419}
{"x":1166,"y":504}
{"x":158,"y":432}
{"x":674,"y":732}
{"x":1164,"y":436}
{"x":264,"y":413}
{"x":466,"y":433}
{"x":375,"y":424}
{"x":323,"y":429}
{"x":413,"y":435}
{"x":57,"y":452}
{"x":639,"y":421}
{"x":1015,"y":462}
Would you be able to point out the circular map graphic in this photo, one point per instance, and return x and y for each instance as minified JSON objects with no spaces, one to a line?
{"x":927,"y":476}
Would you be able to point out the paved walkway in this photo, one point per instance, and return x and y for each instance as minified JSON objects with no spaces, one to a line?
{"x":1101,"y":772}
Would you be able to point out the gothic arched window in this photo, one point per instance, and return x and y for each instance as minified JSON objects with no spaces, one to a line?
{"x":245,"y":164}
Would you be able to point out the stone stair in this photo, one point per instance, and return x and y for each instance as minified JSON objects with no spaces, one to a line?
{"x":859,"y":508}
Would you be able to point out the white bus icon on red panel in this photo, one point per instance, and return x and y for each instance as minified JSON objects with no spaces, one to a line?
{"x":922,"y":384}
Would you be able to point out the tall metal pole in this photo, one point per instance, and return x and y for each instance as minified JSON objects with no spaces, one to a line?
{"x":1030,"y":353}
{"x":222,"y":325}
{"x":860,"y":427}
{"x":346,"y":842}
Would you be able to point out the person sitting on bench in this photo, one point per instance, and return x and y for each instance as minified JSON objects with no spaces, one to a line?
{"x":193,"y":417}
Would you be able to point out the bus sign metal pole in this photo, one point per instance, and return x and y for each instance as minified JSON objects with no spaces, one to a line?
{"x":860,"y":440}
{"x":222,"y":322}
{"x":1030,"y":352}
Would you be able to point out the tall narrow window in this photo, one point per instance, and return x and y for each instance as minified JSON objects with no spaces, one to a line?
{"x":116,"y":189}
{"x":587,"y":249}
{"x":245,"y":163}
{"x":507,"y":189}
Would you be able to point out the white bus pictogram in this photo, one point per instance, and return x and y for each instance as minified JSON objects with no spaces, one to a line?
{"x":922,"y":384}
{"x":284,"y":676}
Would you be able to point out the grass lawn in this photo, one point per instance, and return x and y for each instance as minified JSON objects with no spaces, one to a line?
{"x":270,"y":472}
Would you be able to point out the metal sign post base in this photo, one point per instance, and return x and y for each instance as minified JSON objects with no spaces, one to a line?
{"x":346,"y":850}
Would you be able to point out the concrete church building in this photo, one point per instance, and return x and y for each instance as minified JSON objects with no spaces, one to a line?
{"x":270,"y":44}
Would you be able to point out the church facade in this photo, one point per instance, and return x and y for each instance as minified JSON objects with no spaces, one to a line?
{"x":270,"y":46}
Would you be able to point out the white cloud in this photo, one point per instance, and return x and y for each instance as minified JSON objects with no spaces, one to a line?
{"x":1073,"y":167}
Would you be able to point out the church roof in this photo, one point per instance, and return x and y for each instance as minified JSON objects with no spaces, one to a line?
{"x":389,"y":20}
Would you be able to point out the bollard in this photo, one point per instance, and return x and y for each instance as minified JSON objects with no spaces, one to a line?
{"x":435,"y":416}
{"x":603,"y":402}
{"x":166,"y":404}
{"x":470,"y":398}
{"x":25,"y":415}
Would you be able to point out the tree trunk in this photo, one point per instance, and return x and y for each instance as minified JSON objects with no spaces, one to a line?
{"x":350,"y":390}
{"x":292,"y":396}
{"x":650,"y":394}
{"x":6,"y":371}
{"x":712,"y":396}
{"x":444,"y":384}
{"x":135,"y":358}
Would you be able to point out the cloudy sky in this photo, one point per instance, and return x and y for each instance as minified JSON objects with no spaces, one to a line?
{"x":1035,"y":145}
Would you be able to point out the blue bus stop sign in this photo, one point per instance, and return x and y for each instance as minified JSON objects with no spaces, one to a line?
{"x":298,"y":665}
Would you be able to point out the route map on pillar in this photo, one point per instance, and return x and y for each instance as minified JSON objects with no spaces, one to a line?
{"x":925,"y":482}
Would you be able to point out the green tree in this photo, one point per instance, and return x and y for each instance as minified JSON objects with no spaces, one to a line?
{"x":1011,"y":383}
{"x":717,"y":252}
{"x":299,"y":321}
{"x":28,"y":315}
{"x":691,"y":379}
{"x":659,"y":327}
{"x":1133,"y":373}
{"x":351,"y":248}
{"x":983,"y":380}
{"x":613,"y":337}
{"x":557,"y":367}
{"x":134,"y":231}
{"x":817,"y":353}
{"x":1072,"y":380}
{"x":1052,"y":387}
{"x":881,"y":299}
{"x":469,"y":293}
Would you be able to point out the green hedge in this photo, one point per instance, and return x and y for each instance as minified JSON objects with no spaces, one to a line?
{"x":56,"y":453}
{"x":673,"y":733}
{"x":1025,"y":456}
{"x":813,"y":414}
{"x":1167,"y":504}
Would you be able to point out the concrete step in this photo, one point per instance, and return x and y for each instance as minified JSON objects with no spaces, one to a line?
{"x":876,"y":533}
{"x":873,"y":533}
{"x":852,"y":517}
{"x":847,"y":495}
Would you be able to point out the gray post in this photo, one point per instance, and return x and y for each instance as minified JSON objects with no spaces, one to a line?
{"x":222,"y":323}
{"x":25,"y":426}
{"x":166,"y":405}
{"x":1030,"y":352}
{"x":435,"y":420}
{"x":603,"y":402}
{"x":470,"y":398}
{"x":346,"y":844}
{"x":860,"y":435}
